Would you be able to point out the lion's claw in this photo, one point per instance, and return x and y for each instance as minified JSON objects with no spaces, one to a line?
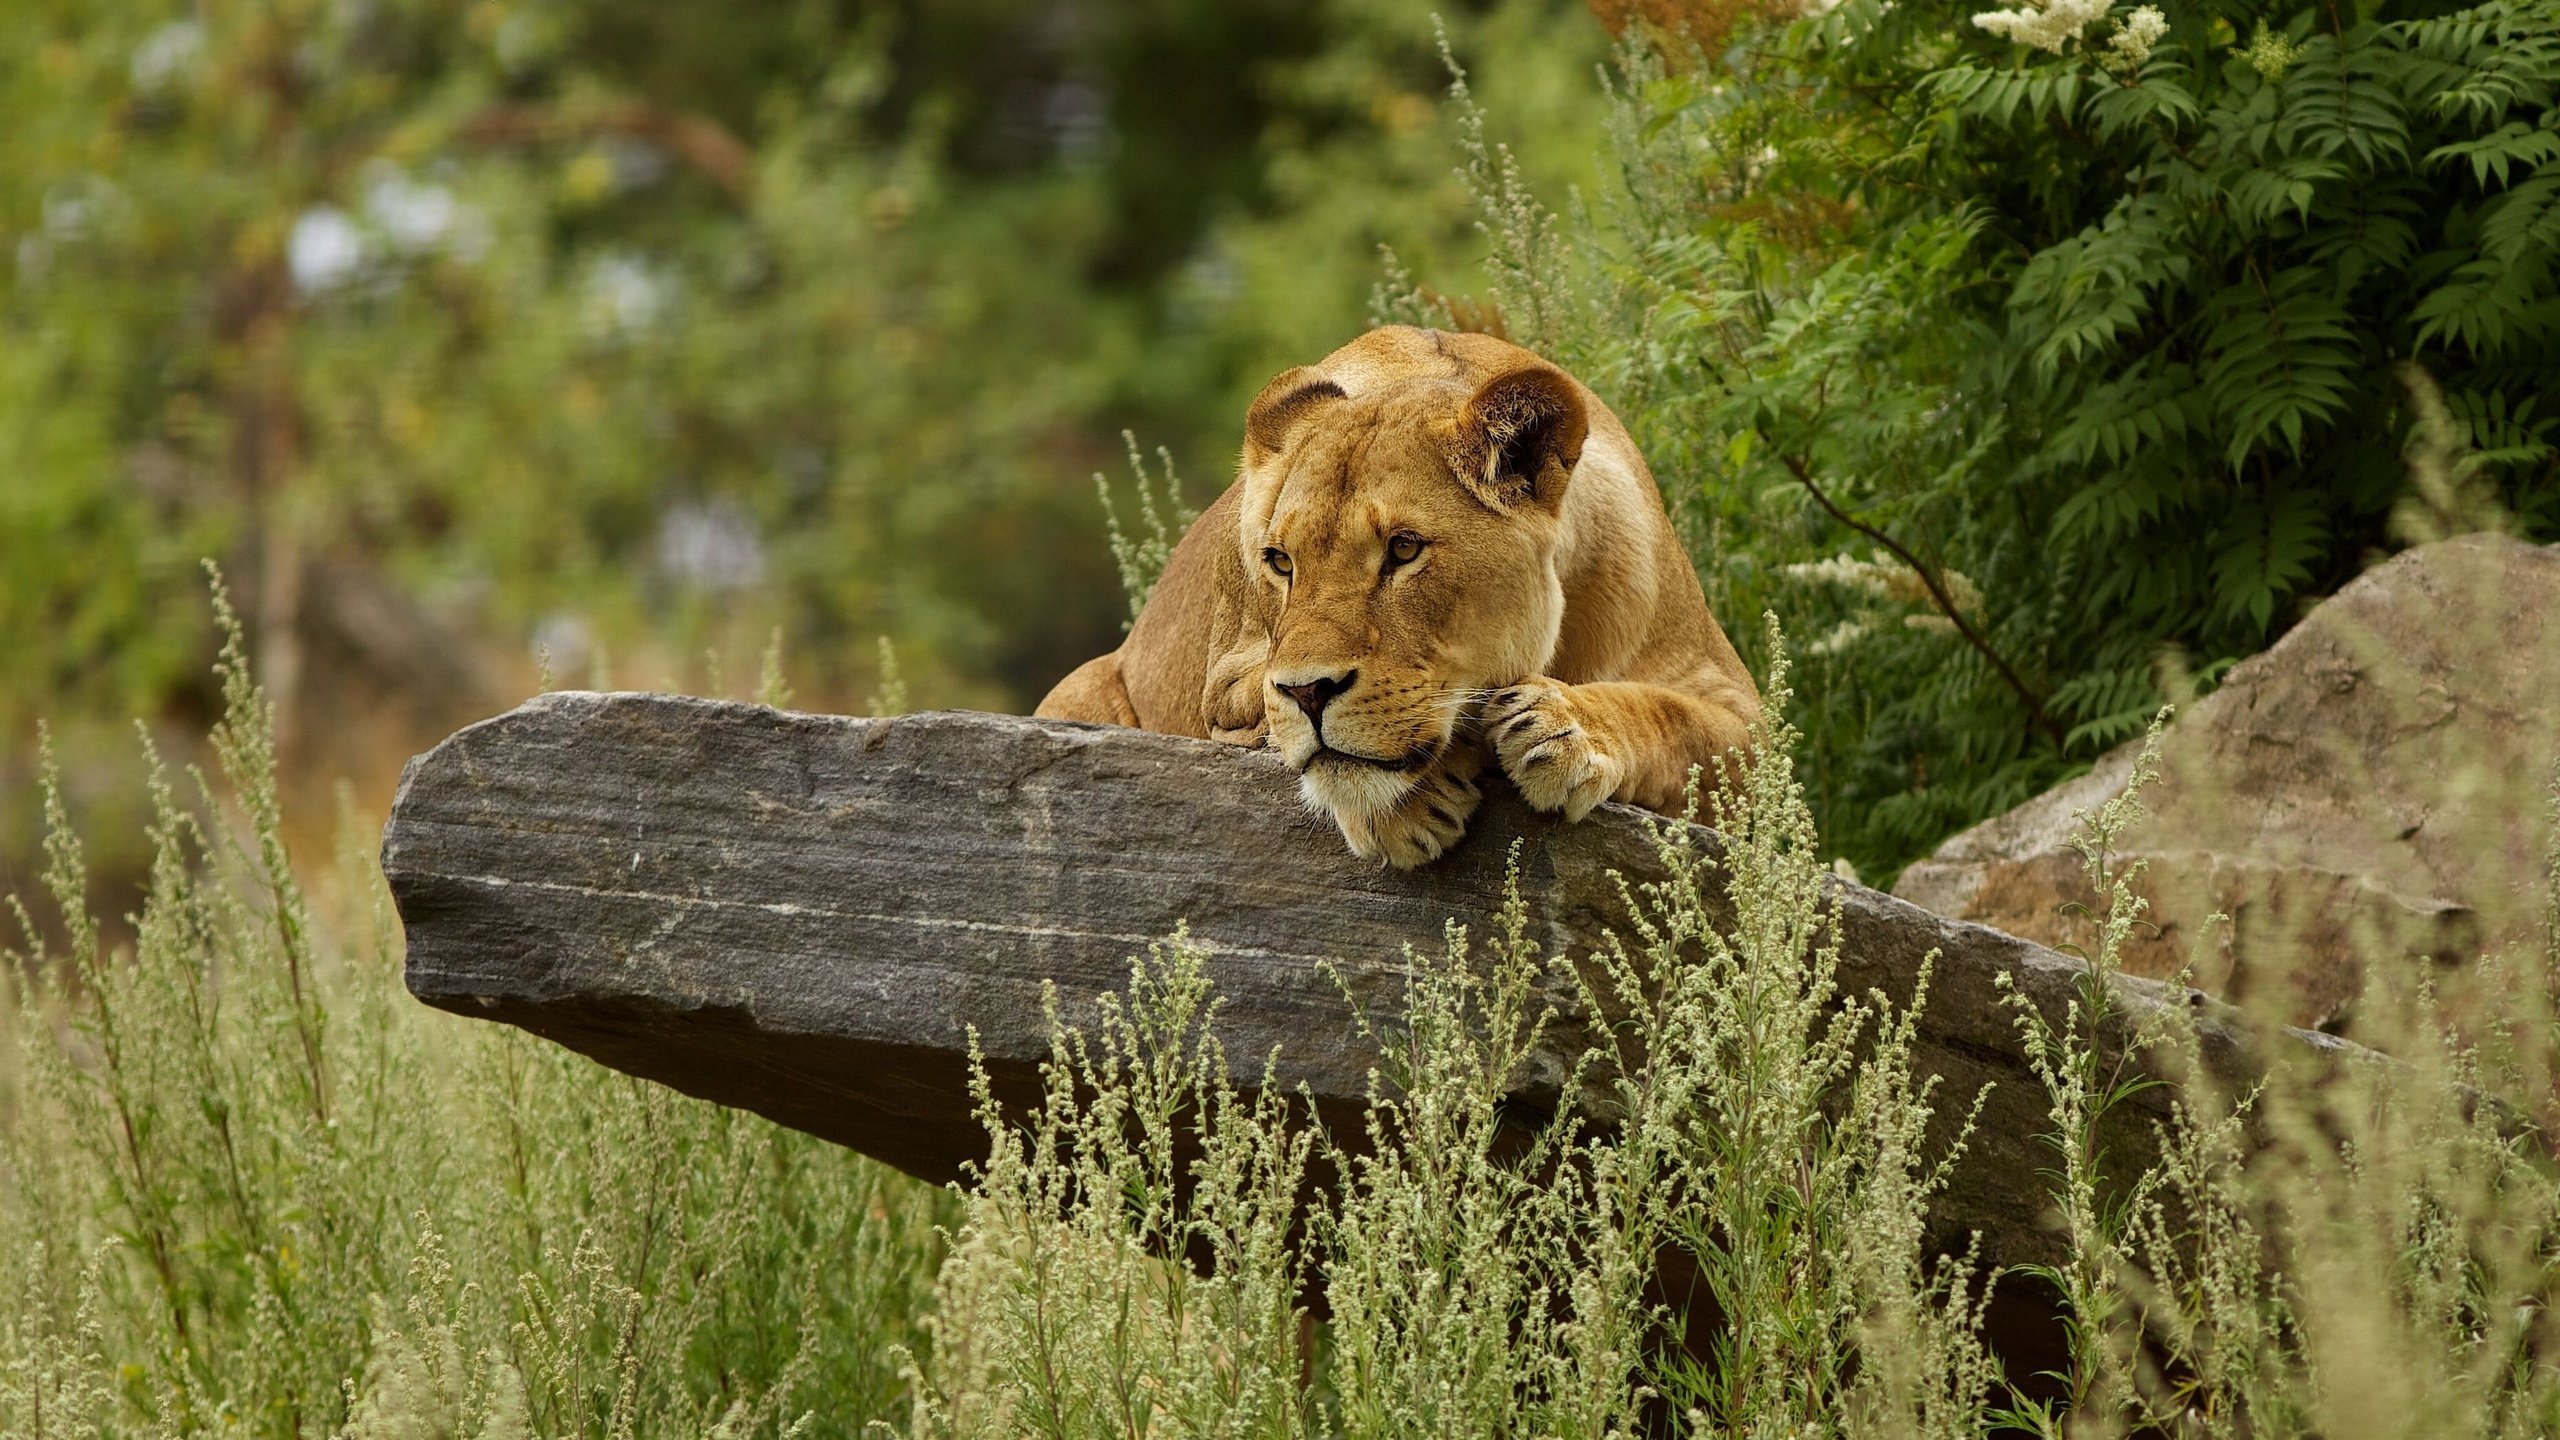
{"x":1546,"y":749}
{"x":1421,"y":827}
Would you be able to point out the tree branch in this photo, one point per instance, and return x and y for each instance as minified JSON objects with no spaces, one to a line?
{"x":1938,"y":595}
{"x":699,"y":142}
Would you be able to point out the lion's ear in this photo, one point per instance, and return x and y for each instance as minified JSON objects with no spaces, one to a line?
{"x":1280,"y":405}
{"x":1519,"y":437}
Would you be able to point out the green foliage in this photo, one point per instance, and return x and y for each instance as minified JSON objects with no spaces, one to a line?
{"x":247,"y":1186}
{"x":1058,"y":1312}
{"x":2114,"y":330}
{"x":496,"y":304}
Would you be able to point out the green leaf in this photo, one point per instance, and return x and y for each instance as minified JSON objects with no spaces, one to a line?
{"x":2512,"y":144}
{"x":2488,"y":307}
{"x":2263,"y":553}
{"x":2080,"y":298}
{"x":2279,"y":361}
{"x":2342,"y":100}
{"x":2522,"y":226}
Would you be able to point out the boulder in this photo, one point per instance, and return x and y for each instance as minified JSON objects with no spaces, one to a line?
{"x":813,"y":917}
{"x":2371,"y":786}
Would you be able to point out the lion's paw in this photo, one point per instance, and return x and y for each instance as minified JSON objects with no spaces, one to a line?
{"x":1421,"y":827}
{"x":1547,"y":750}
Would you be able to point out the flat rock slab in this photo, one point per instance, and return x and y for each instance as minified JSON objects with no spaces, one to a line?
{"x":807,"y":916}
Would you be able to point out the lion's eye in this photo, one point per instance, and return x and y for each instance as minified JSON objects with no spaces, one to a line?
{"x":1277,"y":559}
{"x":1403,"y":548}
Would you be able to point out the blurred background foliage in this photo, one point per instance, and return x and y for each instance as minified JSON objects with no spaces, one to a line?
{"x":475,"y":336}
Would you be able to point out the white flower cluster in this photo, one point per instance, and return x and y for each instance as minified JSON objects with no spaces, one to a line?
{"x":2046,"y":24}
{"x":2131,"y":45}
{"x":1887,"y":579}
{"x":1844,"y":570}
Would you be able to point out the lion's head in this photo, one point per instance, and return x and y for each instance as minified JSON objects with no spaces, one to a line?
{"x":1400,"y":546}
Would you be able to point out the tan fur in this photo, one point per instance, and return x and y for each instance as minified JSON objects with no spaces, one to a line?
{"x":1549,"y":622}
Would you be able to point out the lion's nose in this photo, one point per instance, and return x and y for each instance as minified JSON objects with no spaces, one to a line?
{"x":1313,"y":695}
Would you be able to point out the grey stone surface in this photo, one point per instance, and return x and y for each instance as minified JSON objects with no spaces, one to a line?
{"x":2372,"y":785}
{"x":806,"y":916}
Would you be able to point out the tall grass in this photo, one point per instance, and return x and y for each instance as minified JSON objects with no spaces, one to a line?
{"x":1743,"y":1114}
{"x":1141,"y":550}
{"x":2335,"y":1249}
{"x":248,"y":1187}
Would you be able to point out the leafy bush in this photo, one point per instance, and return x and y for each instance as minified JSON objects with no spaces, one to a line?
{"x":2039,"y":384}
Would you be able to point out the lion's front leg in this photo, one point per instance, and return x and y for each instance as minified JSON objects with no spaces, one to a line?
{"x":1429,"y":819}
{"x":1569,"y":747}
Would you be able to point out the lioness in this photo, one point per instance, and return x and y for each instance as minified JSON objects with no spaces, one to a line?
{"x":1438,"y":544}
